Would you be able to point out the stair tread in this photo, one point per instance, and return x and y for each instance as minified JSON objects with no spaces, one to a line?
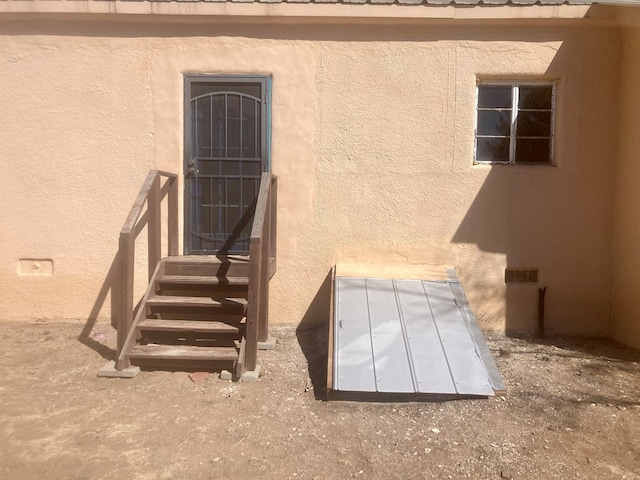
{"x":170,"y":300}
{"x":183,"y":352}
{"x":215,"y":266}
{"x":204,"y":280}
{"x":202,"y":326}
{"x":207,"y":259}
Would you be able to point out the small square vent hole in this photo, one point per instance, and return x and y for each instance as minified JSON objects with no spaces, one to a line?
{"x":521,"y":275}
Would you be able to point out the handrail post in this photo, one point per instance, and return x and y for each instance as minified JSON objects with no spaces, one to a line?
{"x":154,"y":225}
{"x":273,"y":214}
{"x":263,"y":313}
{"x":125,"y":319}
{"x":151,"y":194}
{"x":253,"y":307}
{"x":172,"y":217}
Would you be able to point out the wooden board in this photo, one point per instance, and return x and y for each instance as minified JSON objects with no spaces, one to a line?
{"x":408,"y":337}
{"x":202,"y":280}
{"x":183,"y":352}
{"x":198,"y":326}
{"x":197,"y":302}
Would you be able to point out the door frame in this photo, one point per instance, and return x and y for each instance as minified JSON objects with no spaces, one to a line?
{"x":265,"y":82}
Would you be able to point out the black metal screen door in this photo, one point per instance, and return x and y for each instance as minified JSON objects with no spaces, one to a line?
{"x":225,"y":158}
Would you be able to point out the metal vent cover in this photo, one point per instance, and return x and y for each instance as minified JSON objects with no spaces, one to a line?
{"x":521,"y":275}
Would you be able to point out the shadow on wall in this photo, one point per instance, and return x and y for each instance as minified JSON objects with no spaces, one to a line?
{"x":552,"y":219}
{"x":313,"y":337}
{"x":110,"y":284}
{"x":555,"y":218}
{"x":113,"y":284}
{"x":502,"y":219}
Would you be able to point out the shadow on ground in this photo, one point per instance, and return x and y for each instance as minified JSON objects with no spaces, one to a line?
{"x":109,"y":285}
{"x":582,"y":347}
{"x":313,"y":337}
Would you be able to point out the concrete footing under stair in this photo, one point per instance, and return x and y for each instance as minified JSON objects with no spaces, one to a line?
{"x":109,"y":371}
{"x":247,"y":377}
{"x":268,"y":344}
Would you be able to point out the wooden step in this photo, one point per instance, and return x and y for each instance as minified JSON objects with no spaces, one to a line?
{"x":183,"y":352}
{"x":202,"y":286}
{"x":234,"y":266}
{"x":223,"y":266}
{"x":191,"y":326}
{"x":198,"y":314}
{"x":206,"y":302}
{"x":202,"y":280}
{"x":183,"y":259}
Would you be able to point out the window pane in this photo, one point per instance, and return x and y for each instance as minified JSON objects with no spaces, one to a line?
{"x":209,"y":167}
{"x":218,"y":133}
{"x":231,"y":167}
{"x":492,"y":150}
{"x":495,"y":123}
{"x":249,"y":194}
{"x":194,"y":128}
{"x":534,"y":124}
{"x":533,"y":150}
{"x":233,"y":205}
{"x":217,"y":187}
{"x":536,"y":97}
{"x":203,"y":127}
{"x":233,"y":126}
{"x":249,"y":128}
{"x":200,"y":88}
{"x":217,"y":214}
{"x":494,"y":96}
{"x":251,"y":167}
{"x":205,"y":225}
{"x":204,"y":187}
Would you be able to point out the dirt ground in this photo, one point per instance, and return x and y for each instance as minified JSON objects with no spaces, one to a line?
{"x":572,"y":411}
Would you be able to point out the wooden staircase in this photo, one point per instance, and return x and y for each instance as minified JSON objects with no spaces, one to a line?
{"x":193,"y":315}
{"x":199,"y":312}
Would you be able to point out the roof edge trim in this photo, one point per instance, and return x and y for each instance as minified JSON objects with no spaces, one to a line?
{"x":299,"y":10}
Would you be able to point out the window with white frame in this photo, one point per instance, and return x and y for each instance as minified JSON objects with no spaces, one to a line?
{"x":514,"y":123}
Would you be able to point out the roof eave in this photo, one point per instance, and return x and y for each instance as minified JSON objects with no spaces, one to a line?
{"x":301,"y":9}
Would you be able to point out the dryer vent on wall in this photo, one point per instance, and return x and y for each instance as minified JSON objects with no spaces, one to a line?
{"x":521,"y":275}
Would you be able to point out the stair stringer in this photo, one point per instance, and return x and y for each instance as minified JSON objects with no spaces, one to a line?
{"x":122,"y":361}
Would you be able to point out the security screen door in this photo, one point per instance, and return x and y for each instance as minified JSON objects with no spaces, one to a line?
{"x":226,"y":152}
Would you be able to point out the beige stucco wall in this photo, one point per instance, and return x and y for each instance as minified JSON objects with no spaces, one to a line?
{"x":626,"y":253}
{"x":372,"y":143}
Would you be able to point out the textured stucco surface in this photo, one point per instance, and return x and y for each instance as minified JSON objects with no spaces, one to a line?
{"x":372,"y":142}
{"x":625,"y":312}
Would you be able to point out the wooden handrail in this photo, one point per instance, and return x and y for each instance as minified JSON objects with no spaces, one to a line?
{"x":151,"y":195}
{"x":262,"y":253}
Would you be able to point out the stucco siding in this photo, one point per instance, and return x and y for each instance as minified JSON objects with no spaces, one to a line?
{"x":626,"y":251}
{"x":373,"y":130}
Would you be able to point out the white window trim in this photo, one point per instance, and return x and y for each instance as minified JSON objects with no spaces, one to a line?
{"x":515,"y":91}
